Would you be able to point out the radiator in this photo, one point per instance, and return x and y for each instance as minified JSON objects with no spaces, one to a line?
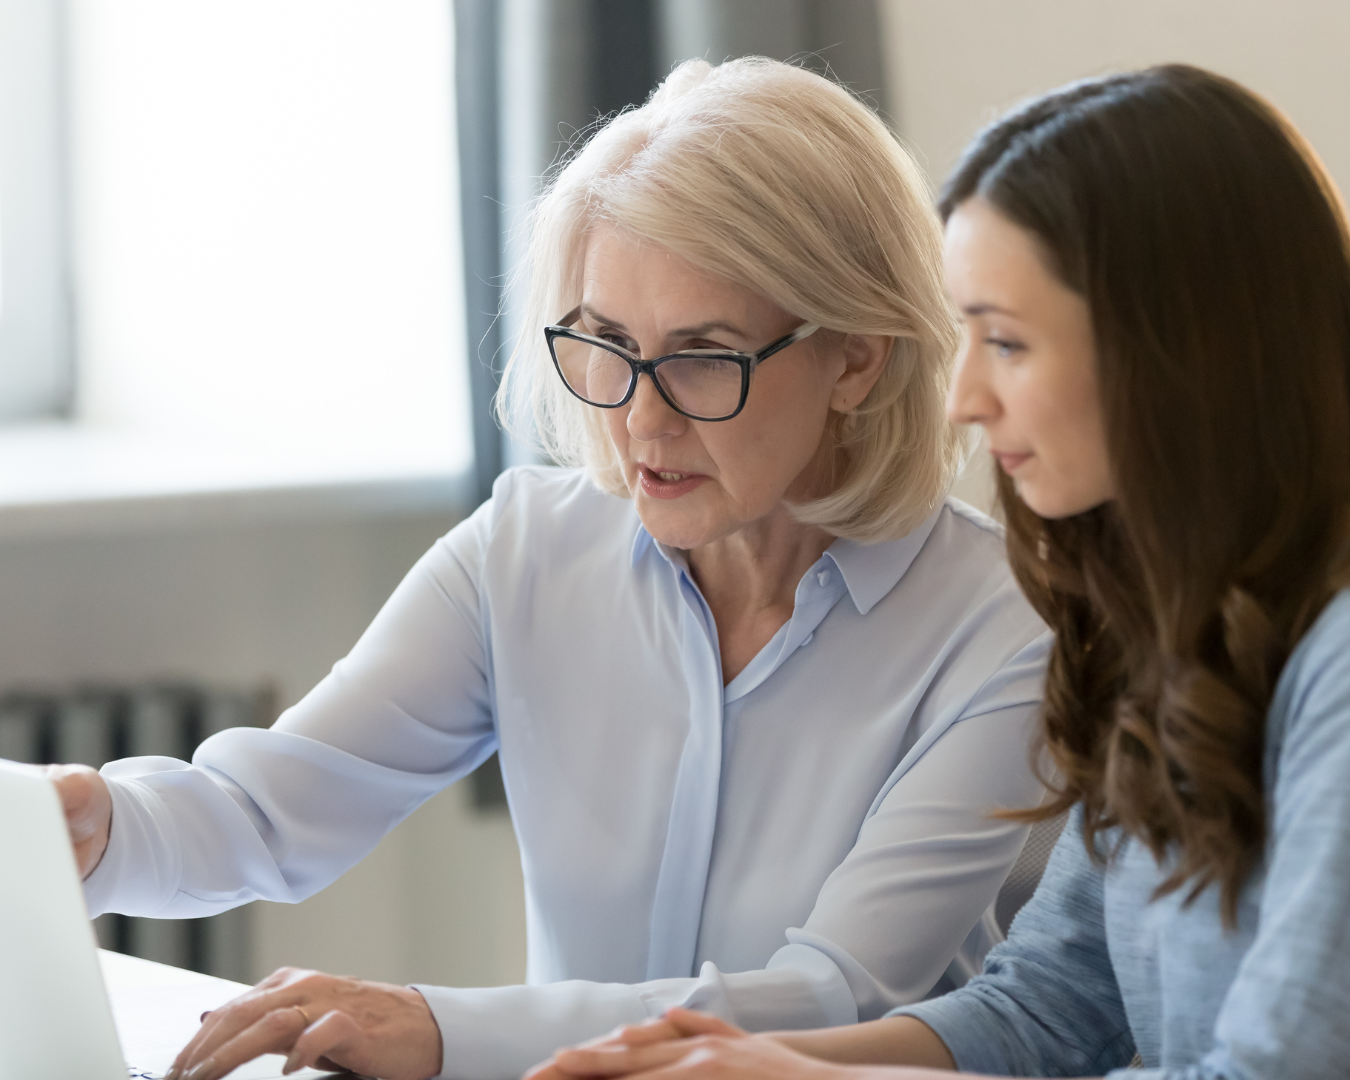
{"x":91,"y":725}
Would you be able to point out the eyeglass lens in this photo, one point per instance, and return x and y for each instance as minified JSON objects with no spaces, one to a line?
{"x":706,"y":387}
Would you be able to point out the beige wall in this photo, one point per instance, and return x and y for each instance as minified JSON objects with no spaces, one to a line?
{"x":956,"y":64}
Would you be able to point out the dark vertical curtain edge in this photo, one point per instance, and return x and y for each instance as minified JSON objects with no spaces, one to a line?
{"x":477,"y":115}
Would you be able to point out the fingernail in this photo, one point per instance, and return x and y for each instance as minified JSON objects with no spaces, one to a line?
{"x":201,"y":1070}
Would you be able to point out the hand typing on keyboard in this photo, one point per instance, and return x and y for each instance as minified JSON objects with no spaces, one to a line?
{"x":325,"y":1021}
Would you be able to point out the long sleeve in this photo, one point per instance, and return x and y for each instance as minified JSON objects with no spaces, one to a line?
{"x":1095,"y":965}
{"x":1047,"y":1003}
{"x":926,"y":864}
{"x":1283,"y":1016}
{"x":281,"y":813}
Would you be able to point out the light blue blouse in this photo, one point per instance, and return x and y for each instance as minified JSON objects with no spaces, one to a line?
{"x":806,"y":845}
{"x":1093,"y":969}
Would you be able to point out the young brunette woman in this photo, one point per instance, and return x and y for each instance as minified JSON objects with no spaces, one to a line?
{"x":1154,"y":271}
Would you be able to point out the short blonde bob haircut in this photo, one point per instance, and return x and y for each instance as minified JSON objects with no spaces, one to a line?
{"x":777,"y":179}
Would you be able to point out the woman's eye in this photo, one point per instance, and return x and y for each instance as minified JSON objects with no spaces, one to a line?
{"x":619,"y":340}
{"x":1004,"y":347}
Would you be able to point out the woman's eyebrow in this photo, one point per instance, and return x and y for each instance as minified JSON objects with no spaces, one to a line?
{"x":988,"y":309}
{"x":702,"y":329}
{"x":683,"y":332}
{"x":595,"y":316}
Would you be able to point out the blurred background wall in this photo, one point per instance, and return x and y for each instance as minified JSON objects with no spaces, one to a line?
{"x":954,"y":65}
{"x":260,"y":576}
{"x":273,"y":600}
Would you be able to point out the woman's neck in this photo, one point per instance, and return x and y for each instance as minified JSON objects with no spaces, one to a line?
{"x":749,"y":580}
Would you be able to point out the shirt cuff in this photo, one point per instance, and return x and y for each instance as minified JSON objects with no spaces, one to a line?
{"x":496,"y":1033}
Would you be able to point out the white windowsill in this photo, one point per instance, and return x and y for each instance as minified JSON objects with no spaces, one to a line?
{"x":62,"y":478}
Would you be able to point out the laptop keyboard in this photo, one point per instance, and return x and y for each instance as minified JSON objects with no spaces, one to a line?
{"x":135,"y":1073}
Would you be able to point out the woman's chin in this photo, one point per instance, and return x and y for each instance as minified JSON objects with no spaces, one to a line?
{"x":675,"y":534}
{"x":674,"y":525}
{"x":1046,"y":501}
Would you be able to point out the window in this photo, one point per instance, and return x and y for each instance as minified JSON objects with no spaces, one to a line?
{"x":265,"y":232}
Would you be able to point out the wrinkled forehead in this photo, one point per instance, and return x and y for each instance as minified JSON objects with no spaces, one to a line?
{"x":634,"y":283}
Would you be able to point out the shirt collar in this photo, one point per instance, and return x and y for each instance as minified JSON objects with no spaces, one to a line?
{"x":870,"y":571}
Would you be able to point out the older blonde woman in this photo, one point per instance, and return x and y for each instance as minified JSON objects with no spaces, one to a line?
{"x":755,"y":685}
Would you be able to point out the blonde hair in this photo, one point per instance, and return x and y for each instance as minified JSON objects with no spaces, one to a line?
{"x":780,"y":180}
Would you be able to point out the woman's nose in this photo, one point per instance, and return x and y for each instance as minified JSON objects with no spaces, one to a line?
{"x":971,"y":399}
{"x":649,"y":417}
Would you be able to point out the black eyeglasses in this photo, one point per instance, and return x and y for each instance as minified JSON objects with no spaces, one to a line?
{"x":702,"y":384}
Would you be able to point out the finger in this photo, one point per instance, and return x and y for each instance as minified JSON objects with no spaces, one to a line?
{"x":692,"y":1066}
{"x":87,"y":807}
{"x":284,"y":987}
{"x":649,"y":1031}
{"x":274,"y":1033}
{"x":653,"y":1031}
{"x":216,"y":1027}
{"x":618,"y":1060}
{"x":688,"y":1022}
{"x":70,"y":792}
{"x":334,"y":1035}
{"x":221,"y":1025}
{"x":74,"y":787}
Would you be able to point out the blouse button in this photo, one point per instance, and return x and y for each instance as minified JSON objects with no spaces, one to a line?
{"x":808,"y":640}
{"x":824,"y":578}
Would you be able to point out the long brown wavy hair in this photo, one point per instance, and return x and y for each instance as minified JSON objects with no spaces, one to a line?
{"x":1213,"y":253}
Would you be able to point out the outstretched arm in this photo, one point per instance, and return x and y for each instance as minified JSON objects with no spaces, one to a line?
{"x":279,"y":814}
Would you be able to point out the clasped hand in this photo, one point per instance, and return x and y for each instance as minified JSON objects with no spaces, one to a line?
{"x":682,"y":1044}
{"x":325,"y":1021}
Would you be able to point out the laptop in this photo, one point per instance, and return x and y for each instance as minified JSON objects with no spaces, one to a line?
{"x":56,"y":1022}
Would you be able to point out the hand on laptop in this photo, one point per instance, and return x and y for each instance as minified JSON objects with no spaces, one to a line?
{"x":325,"y":1021}
{"x":88,"y":806}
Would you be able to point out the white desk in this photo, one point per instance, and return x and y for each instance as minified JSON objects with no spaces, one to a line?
{"x":158,"y":1008}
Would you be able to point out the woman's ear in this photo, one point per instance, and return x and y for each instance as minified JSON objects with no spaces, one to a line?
{"x":865,"y":357}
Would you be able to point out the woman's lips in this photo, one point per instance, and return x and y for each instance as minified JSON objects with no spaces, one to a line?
{"x":667,"y":484}
{"x":1009,"y":462}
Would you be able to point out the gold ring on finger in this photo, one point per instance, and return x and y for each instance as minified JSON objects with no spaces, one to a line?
{"x":302,"y":1012}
